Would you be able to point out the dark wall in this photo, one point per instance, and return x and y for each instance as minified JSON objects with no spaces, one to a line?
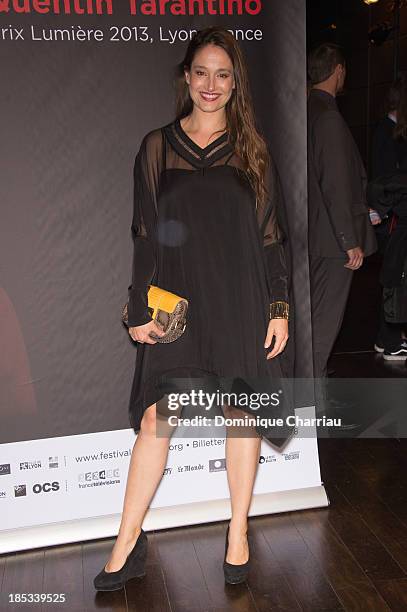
{"x":369,"y":67}
{"x":74,"y":116}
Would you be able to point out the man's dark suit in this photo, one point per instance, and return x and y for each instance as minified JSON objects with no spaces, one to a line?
{"x":338,"y":219}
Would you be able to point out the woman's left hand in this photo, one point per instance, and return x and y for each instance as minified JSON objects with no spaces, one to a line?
{"x":277,"y":328}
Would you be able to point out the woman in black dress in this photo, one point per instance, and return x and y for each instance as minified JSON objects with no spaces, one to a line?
{"x":206,"y":204}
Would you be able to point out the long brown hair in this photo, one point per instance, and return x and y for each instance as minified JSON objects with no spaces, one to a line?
{"x":248,"y":143}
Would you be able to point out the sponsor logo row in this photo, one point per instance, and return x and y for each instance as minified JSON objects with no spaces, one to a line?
{"x":50,"y":463}
{"x":108,"y":477}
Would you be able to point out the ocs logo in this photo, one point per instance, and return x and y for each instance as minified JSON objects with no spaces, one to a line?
{"x":45,"y":487}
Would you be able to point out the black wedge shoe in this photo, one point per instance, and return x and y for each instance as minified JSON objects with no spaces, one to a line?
{"x":132,"y":568}
{"x":234,"y":574}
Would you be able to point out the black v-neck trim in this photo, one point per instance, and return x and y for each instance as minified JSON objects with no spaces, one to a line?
{"x":191,"y":151}
{"x":200,"y":150}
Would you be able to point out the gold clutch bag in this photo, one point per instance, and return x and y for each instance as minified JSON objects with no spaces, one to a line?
{"x":168,"y":311}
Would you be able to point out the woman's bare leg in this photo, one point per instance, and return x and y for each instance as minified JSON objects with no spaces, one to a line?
{"x":242,"y":459}
{"x":147,"y":463}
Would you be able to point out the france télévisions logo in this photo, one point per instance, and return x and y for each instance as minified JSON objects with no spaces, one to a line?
{"x":5,"y":468}
{"x":99,"y":475}
{"x":20,"y":490}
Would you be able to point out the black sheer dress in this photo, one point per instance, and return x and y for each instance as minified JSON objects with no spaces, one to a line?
{"x":197,"y":233}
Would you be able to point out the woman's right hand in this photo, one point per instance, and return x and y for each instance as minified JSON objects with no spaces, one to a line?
{"x":140,"y":333}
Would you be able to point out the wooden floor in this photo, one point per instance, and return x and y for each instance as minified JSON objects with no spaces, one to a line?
{"x":349,"y":556}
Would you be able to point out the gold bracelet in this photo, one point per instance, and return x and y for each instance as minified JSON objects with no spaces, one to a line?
{"x":279,"y":310}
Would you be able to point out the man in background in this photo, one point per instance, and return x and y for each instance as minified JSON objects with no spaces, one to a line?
{"x":340,"y":232}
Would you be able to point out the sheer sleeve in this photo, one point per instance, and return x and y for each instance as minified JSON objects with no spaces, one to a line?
{"x":271,"y":219}
{"x":146,"y":175}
